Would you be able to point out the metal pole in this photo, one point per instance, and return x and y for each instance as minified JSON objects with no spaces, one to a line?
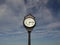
{"x":29,"y":37}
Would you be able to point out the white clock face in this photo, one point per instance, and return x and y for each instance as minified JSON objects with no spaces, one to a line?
{"x":29,"y":22}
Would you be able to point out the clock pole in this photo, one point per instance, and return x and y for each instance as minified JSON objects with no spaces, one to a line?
{"x":29,"y":37}
{"x":29,"y":27}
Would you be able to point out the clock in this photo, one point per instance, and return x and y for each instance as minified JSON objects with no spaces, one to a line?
{"x":29,"y":22}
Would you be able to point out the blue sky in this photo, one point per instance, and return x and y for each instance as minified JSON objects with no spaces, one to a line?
{"x":47,"y":15}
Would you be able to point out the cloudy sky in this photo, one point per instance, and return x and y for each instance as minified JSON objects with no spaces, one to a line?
{"x":47,"y":15}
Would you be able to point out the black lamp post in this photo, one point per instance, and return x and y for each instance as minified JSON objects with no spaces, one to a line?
{"x":29,"y":23}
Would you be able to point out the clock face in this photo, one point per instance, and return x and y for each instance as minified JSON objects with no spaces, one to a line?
{"x":29,"y":22}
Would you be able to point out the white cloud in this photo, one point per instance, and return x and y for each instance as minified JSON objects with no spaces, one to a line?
{"x":47,"y":31}
{"x":10,"y":23}
{"x":2,"y":10}
{"x":32,"y":3}
{"x":45,"y":1}
{"x":8,"y":17}
{"x":53,"y":25}
{"x":46,"y":15}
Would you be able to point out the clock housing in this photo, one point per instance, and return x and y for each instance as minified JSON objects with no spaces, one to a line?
{"x":29,"y":21}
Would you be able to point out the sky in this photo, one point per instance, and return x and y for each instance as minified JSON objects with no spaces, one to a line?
{"x":46,"y":13}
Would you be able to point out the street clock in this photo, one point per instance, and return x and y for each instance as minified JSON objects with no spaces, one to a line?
{"x":29,"y":23}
